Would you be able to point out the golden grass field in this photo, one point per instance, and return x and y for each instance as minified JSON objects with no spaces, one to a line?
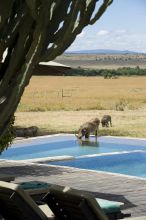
{"x":46,"y":93}
{"x":84,"y":98}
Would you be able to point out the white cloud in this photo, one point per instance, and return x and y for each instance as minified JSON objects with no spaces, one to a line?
{"x":102,"y":32}
{"x":121,"y":31}
{"x":118,"y":39}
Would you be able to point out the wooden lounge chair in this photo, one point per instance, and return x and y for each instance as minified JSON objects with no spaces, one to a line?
{"x":16,"y":204}
{"x":67,"y":203}
{"x":38,"y":189}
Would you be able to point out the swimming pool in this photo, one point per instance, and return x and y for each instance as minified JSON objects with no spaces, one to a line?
{"x":59,"y":145}
{"x":133,"y":164}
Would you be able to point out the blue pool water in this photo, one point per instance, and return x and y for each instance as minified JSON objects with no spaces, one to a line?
{"x":124,"y":163}
{"x":68,"y":145}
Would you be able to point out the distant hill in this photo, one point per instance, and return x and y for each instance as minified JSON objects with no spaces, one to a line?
{"x":102,"y":51}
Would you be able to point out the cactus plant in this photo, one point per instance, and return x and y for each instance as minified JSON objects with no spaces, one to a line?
{"x":32,"y":31}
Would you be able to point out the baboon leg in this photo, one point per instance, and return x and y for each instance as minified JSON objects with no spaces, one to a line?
{"x":111,"y":123}
{"x":87,"y":135}
{"x":96,"y":132}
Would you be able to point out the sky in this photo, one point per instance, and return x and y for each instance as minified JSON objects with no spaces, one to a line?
{"x":122,"y":27}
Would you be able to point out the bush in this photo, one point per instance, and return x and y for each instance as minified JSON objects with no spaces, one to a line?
{"x":121,"y":105}
{"x":7,"y":138}
{"x":107,"y":73}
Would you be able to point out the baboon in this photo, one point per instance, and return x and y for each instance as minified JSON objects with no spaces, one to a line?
{"x":88,"y":127}
{"x":106,"y":121}
{"x":26,"y":132}
{"x":31,"y":131}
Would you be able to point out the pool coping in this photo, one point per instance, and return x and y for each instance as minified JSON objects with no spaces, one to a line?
{"x":41,"y":137}
{"x":109,"y":154}
{"x":98,"y":171}
{"x":49,"y":159}
{"x":68,"y":157}
{"x":67,"y":134}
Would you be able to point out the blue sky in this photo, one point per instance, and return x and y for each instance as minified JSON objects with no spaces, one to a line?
{"x":121,"y":27}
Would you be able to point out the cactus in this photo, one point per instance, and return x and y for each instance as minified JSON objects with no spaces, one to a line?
{"x":32,"y":31}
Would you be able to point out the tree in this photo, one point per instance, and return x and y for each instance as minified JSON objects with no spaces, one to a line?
{"x":32,"y":31}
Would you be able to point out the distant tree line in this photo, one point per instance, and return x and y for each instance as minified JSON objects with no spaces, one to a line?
{"x":107,"y":73}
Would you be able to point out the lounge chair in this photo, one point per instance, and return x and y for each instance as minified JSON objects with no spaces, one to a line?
{"x":37,"y":189}
{"x":16,"y":204}
{"x":67,"y":203}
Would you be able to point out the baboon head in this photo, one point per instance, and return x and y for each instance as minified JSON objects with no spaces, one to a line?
{"x":97,"y":121}
{"x":103,"y":123}
{"x":81,"y":133}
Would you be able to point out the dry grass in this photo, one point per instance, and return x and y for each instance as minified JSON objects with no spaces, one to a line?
{"x":83,"y":93}
{"x":43,"y":105}
{"x":125,"y":123}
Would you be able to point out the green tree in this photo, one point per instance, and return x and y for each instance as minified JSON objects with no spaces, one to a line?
{"x":7,"y":138}
{"x":32,"y":31}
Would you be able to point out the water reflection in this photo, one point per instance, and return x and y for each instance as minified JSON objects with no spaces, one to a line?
{"x":88,"y":143}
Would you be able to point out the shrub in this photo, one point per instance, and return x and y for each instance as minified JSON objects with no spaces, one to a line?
{"x":121,"y":105}
{"x":107,"y":73}
{"x":7,"y":138}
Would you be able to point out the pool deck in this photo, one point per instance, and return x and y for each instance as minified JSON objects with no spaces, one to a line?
{"x":131,"y":191}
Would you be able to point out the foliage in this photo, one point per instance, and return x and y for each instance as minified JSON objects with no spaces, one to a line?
{"x":7,"y":138}
{"x":108,"y":73}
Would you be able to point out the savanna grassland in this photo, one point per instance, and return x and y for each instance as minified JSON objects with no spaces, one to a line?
{"x":61,"y":104}
{"x":103,"y":61}
{"x":46,"y":93}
